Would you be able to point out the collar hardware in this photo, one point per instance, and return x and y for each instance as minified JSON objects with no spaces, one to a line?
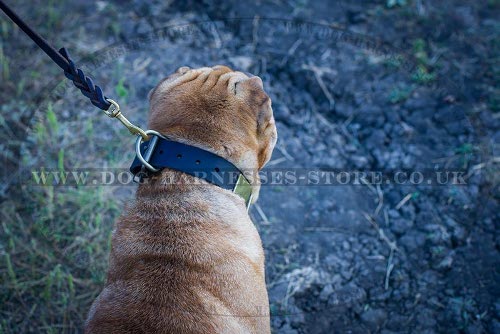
{"x":159,"y":152}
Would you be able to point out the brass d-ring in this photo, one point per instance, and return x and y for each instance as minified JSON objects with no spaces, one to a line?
{"x":145,"y":159}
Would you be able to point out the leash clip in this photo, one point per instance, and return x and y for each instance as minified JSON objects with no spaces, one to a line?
{"x":114,"y":112}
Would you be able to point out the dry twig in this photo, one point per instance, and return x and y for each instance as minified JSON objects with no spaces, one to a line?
{"x":318,"y":73}
{"x":404,"y":200}
{"x":392,"y":247}
{"x":265,"y":220}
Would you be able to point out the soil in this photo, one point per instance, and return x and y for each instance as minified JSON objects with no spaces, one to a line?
{"x":355,"y":86}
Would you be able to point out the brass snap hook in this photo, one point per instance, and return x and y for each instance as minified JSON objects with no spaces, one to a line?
{"x":114,"y":112}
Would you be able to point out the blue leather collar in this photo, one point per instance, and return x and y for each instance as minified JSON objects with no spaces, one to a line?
{"x":159,"y":152}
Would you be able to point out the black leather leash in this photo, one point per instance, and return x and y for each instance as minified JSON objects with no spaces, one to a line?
{"x":153,"y":151}
{"x":63,"y":60}
{"x":80,"y":80}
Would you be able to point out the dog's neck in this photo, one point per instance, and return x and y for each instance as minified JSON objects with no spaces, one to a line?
{"x":169,"y":181}
{"x":243,"y":160}
{"x":246,"y":162}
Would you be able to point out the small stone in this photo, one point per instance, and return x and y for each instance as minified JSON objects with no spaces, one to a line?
{"x":356,"y":16}
{"x":379,"y":294}
{"x":346,"y":273}
{"x":359,"y":161}
{"x":394,"y":214}
{"x":287,"y":329}
{"x":426,"y":318}
{"x":400,"y":226}
{"x":396,"y":321}
{"x":495,"y":326}
{"x":347,"y":296}
{"x":419,"y":102}
{"x":326,"y":292}
{"x":413,"y":240}
{"x":377,"y":139}
{"x":475,"y":328}
{"x":242,"y":63}
{"x":386,"y":331}
{"x":446,"y":263}
{"x":298,"y":319}
{"x":350,"y":148}
{"x":281,"y":112}
{"x":374,"y":318}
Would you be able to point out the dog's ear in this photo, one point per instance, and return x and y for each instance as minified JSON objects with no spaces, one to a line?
{"x":252,"y":91}
{"x":151,"y":93}
{"x":183,"y":69}
{"x":265,"y":119}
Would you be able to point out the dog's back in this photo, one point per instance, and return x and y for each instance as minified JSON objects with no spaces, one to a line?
{"x":185,"y":257}
{"x":183,"y":261}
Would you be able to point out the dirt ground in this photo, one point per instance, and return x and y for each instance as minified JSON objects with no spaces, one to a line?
{"x":356,"y":86}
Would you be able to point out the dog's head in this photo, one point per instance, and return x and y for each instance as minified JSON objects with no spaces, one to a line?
{"x":218,"y":109}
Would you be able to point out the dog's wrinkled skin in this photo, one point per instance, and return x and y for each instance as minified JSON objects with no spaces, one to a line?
{"x":186,"y":258}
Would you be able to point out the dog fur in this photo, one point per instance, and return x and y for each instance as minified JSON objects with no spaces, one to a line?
{"x":185,"y":257}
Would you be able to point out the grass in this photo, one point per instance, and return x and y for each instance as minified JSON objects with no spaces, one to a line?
{"x":494,"y":101}
{"x":494,"y":3}
{"x":52,"y":119}
{"x":396,"y":3}
{"x":121,"y":90}
{"x":54,"y":264}
{"x":4,"y":65}
{"x":400,"y":94}
{"x":53,"y":15}
{"x":54,"y":241}
{"x":394,"y":61}
{"x":423,"y":74}
{"x":463,"y":308}
{"x":4,"y":28}
{"x":466,"y":154}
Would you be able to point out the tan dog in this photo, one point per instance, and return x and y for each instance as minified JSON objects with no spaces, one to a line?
{"x":186,"y":258}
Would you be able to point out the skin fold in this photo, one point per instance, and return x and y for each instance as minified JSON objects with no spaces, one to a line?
{"x":186,"y":258}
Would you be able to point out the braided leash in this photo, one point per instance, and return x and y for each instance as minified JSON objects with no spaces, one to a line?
{"x":84,"y":83}
{"x":80,"y":80}
{"x":141,"y":164}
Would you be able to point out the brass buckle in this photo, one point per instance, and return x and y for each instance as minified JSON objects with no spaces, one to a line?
{"x":243,"y":188}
